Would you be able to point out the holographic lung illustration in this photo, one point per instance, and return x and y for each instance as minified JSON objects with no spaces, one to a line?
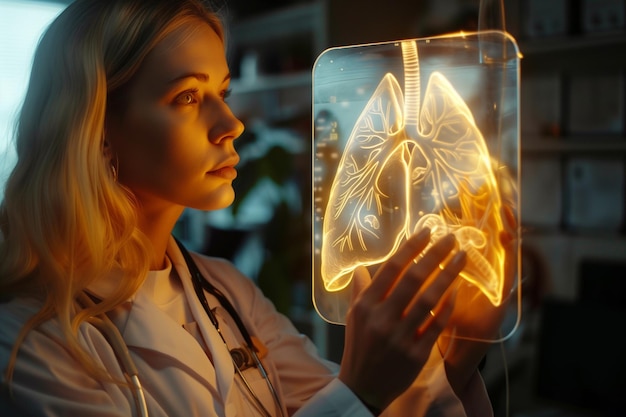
{"x":411,"y":163}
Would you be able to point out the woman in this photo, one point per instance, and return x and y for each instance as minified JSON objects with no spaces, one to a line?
{"x":124,"y":125}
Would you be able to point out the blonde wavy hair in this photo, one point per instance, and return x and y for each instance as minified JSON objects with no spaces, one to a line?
{"x":65,"y":220}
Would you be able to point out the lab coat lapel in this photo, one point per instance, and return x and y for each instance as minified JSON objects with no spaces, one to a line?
{"x":149,"y":328}
{"x":145,"y":326}
{"x":222,"y":360}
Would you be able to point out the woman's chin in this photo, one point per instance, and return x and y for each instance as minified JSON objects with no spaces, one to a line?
{"x":218,"y":201}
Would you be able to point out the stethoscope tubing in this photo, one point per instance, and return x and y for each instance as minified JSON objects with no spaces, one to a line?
{"x":111,"y":333}
{"x":201,"y":285}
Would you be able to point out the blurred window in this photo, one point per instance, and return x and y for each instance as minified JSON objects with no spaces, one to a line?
{"x":22,"y":23}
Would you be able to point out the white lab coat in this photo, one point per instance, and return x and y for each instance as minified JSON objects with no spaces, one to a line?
{"x":179,"y":376}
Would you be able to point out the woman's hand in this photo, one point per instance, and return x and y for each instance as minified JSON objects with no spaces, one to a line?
{"x":475,"y":318}
{"x":393,"y":324}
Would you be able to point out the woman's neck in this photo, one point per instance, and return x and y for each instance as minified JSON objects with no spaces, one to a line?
{"x":157,"y":225}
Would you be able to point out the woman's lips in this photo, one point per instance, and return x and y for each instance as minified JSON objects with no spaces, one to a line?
{"x":226,"y":169}
{"x":226,"y":172}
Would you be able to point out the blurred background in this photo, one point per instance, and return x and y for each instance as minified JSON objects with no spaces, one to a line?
{"x":568,"y":357}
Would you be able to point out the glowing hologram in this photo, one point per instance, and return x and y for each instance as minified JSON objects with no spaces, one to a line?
{"x":405,"y":167}
{"x":404,"y":141}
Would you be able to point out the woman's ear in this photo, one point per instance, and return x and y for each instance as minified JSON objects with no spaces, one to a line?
{"x":109,"y":155}
{"x":107,"y":151}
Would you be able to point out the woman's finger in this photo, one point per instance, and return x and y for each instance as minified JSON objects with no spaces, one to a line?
{"x":389,"y":272}
{"x":430,"y":330}
{"x":414,"y":277}
{"x":360,"y":281}
{"x":427,"y":305}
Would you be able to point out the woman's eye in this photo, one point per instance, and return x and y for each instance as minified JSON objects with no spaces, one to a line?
{"x":188,"y":97}
{"x":226,"y":93}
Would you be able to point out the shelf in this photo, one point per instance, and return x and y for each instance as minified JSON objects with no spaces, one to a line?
{"x":303,"y":18}
{"x":596,"y":144}
{"x":264,"y":83}
{"x":598,"y":53}
{"x":571,"y":43}
{"x":574,"y":246}
{"x":541,"y":232}
{"x":556,"y":257}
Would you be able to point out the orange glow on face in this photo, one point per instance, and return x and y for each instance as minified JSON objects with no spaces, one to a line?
{"x":409,"y":163}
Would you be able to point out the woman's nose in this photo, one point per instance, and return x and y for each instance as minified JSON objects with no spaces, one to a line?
{"x":225,"y":125}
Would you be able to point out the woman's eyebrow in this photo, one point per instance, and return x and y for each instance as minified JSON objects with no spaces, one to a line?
{"x":200,"y":76}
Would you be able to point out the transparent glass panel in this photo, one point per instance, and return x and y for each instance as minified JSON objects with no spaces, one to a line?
{"x":411,"y":134}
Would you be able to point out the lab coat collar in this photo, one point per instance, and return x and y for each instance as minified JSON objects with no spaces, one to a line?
{"x":147,"y":327}
{"x":222,"y":360}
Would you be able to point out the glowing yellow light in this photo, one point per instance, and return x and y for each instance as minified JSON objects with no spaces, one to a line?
{"x":404,"y":168}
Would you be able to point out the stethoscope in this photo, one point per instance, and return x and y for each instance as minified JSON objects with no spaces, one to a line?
{"x":239,"y":356}
{"x":243,"y":357}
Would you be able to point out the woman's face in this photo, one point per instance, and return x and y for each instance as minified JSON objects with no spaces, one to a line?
{"x":173,"y":135}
